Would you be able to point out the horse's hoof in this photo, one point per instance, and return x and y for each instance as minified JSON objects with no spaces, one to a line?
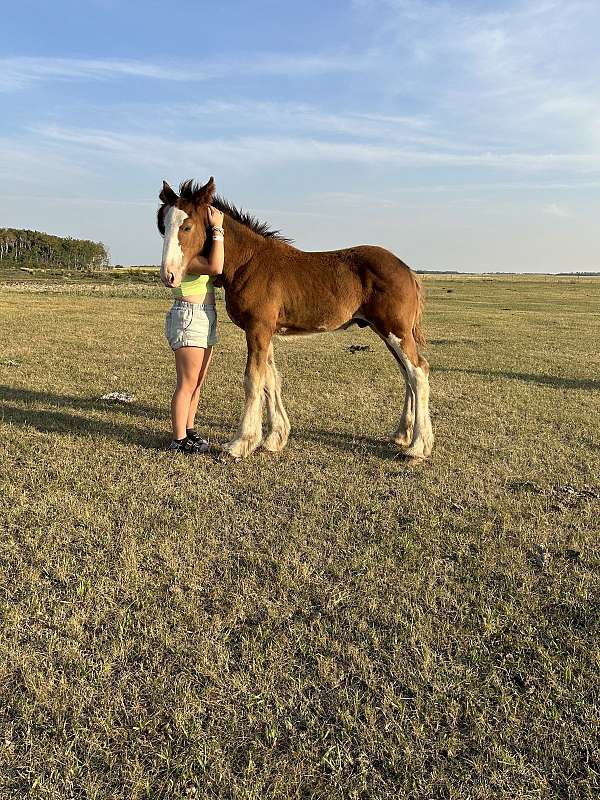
{"x":239,"y":448}
{"x":416,"y":453}
{"x":225,"y":455}
{"x":428,"y":448}
{"x":401,"y":441}
{"x":274,"y":442}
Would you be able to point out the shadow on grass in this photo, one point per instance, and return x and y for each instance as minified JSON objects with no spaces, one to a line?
{"x":348,"y":441}
{"x":33,"y":397}
{"x":155,"y":434}
{"x":61,"y":422}
{"x":542,"y":380}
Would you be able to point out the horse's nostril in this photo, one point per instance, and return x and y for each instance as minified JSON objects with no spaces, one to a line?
{"x":171,"y":277}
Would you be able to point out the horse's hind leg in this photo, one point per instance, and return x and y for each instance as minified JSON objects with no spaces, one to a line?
{"x":417,"y":374}
{"x":402,"y":436}
{"x":277,"y":419}
{"x":414,"y":429}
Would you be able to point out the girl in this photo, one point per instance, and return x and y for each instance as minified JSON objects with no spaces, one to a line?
{"x":191,"y":330}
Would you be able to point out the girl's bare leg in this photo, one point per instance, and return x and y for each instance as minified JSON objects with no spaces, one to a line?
{"x":191,"y":418}
{"x":188,"y":363}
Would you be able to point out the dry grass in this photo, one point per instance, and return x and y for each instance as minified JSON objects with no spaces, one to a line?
{"x":326,"y":623}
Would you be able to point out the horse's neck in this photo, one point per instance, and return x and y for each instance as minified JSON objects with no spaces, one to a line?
{"x":240,"y":246}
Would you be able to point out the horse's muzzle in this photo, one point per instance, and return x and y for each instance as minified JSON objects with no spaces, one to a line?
{"x":168,"y":278}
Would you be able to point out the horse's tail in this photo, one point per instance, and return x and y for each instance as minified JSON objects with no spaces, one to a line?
{"x":417,"y":330}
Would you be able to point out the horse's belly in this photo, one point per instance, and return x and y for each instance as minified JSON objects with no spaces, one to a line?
{"x":288,"y":332}
{"x":311,"y":320}
{"x":307,"y":330}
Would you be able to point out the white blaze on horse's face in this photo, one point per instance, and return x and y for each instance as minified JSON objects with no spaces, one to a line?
{"x":172,"y":255}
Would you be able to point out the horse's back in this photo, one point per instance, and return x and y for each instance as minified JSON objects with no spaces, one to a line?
{"x":359,"y":259}
{"x":371,"y":267}
{"x":318,"y":290}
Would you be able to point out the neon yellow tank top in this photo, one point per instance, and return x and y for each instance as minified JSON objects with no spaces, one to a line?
{"x":192,"y":285}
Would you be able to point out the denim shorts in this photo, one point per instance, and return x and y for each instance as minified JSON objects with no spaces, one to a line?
{"x":191,"y":325}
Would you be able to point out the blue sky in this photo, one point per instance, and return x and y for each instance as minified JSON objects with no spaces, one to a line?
{"x":461,"y":135}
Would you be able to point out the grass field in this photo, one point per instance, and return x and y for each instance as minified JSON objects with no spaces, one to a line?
{"x":326,"y":623}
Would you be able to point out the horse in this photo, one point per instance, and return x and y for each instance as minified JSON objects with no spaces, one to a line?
{"x":272,"y":288}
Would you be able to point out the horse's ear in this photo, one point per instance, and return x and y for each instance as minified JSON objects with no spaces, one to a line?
{"x":167,"y":195}
{"x":206,"y":193}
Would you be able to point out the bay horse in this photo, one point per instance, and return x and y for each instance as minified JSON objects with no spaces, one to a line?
{"x":272,"y":288}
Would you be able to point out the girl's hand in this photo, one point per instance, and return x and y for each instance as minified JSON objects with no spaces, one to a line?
{"x":215,"y":217}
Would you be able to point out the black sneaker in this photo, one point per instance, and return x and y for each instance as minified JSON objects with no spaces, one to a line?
{"x":188,"y":447}
{"x":197,"y":441}
{"x":194,"y":446}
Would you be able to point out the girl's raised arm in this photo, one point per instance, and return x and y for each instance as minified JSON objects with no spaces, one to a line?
{"x":213,"y":265}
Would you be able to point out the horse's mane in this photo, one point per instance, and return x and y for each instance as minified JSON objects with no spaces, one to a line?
{"x":189,"y":191}
{"x":247,"y":219}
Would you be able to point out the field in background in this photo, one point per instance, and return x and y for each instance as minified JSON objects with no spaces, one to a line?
{"x":58,"y":275}
{"x":326,"y":623}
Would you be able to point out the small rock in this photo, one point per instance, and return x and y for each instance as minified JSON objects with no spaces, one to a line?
{"x":118,"y":397}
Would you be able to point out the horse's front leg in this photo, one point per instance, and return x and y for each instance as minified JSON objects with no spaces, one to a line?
{"x":249,"y":433}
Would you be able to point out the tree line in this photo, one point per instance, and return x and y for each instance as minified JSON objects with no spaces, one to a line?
{"x":24,"y":248}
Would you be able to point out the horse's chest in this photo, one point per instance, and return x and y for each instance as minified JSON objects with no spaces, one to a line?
{"x":236,"y":310}
{"x":235,"y":317}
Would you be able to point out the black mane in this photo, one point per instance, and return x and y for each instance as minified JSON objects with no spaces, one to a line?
{"x":192,"y":191}
{"x":247,"y":219}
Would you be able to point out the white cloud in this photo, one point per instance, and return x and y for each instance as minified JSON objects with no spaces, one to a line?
{"x":23,"y":72}
{"x":158,"y":150}
{"x":270,"y":114}
{"x":20,"y":73}
{"x":557,"y":210}
{"x":31,"y":161}
{"x":524,"y":72}
{"x":272,"y":118}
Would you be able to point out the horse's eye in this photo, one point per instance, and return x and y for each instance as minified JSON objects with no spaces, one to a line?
{"x":187,"y":228}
